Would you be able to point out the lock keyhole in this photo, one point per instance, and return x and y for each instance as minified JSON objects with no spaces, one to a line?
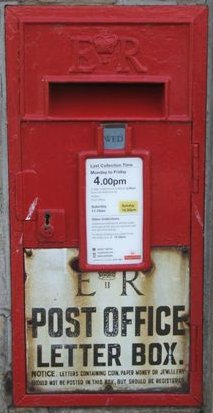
{"x":47,"y":229}
{"x":47,"y":218}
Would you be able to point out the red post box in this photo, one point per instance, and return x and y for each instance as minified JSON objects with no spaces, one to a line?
{"x":106,"y":122}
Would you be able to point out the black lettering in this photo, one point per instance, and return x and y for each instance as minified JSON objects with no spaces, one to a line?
{"x":113,"y":331}
{"x":170,"y":351}
{"x":138,"y":354}
{"x":88,"y":311}
{"x":125,"y":282}
{"x":139,"y":320}
{"x":55,"y":319}
{"x":82,"y":280}
{"x":114,"y":352}
{"x":98,"y":354}
{"x":55,"y":355}
{"x":125,"y":320}
{"x":162,"y":330}
{"x":178,"y":319}
{"x":73,"y":321}
{"x":38,"y":320}
{"x":70,"y":348}
{"x":85,"y":348}
{"x":155,"y":354}
{"x":40,"y":363}
{"x":150,"y":321}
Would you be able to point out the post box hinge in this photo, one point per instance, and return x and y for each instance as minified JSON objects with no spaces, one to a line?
{"x":195,"y":167}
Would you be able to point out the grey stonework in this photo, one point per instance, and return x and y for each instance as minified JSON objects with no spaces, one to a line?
{"x":208,"y":286}
{"x":5,"y":324}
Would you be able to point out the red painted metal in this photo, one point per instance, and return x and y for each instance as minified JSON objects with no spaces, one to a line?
{"x":54,"y":56}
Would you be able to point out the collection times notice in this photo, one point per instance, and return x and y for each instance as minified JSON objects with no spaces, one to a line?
{"x":108,"y":332}
{"x":114,"y":211}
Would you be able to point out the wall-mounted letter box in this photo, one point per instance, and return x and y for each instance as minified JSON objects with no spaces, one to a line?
{"x":106,"y":122}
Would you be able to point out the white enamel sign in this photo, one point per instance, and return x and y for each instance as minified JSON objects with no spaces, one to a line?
{"x":108,"y":332}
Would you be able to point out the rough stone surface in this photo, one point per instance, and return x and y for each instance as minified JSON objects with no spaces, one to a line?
{"x":123,"y":410}
{"x":5,"y":360}
{"x":4,"y":233}
{"x":28,"y":410}
{"x":161,"y":2}
{"x":100,"y":2}
{"x":5,"y":329}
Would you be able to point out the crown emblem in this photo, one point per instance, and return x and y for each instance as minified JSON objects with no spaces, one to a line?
{"x":105,"y":44}
{"x":107,"y":275}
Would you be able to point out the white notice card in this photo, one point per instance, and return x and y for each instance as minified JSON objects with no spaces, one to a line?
{"x":114,"y":211}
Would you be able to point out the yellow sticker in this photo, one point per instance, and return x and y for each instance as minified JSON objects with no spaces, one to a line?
{"x":128,"y":206}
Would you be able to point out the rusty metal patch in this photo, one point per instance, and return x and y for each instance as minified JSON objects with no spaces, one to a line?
{"x":102,"y":332}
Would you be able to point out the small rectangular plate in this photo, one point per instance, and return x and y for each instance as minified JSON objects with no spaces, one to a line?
{"x":114,"y":137}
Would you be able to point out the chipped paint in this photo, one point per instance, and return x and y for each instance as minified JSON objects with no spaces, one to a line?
{"x":198,"y":216}
{"x":96,"y":332}
{"x":31,"y":209}
{"x":21,"y":239}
